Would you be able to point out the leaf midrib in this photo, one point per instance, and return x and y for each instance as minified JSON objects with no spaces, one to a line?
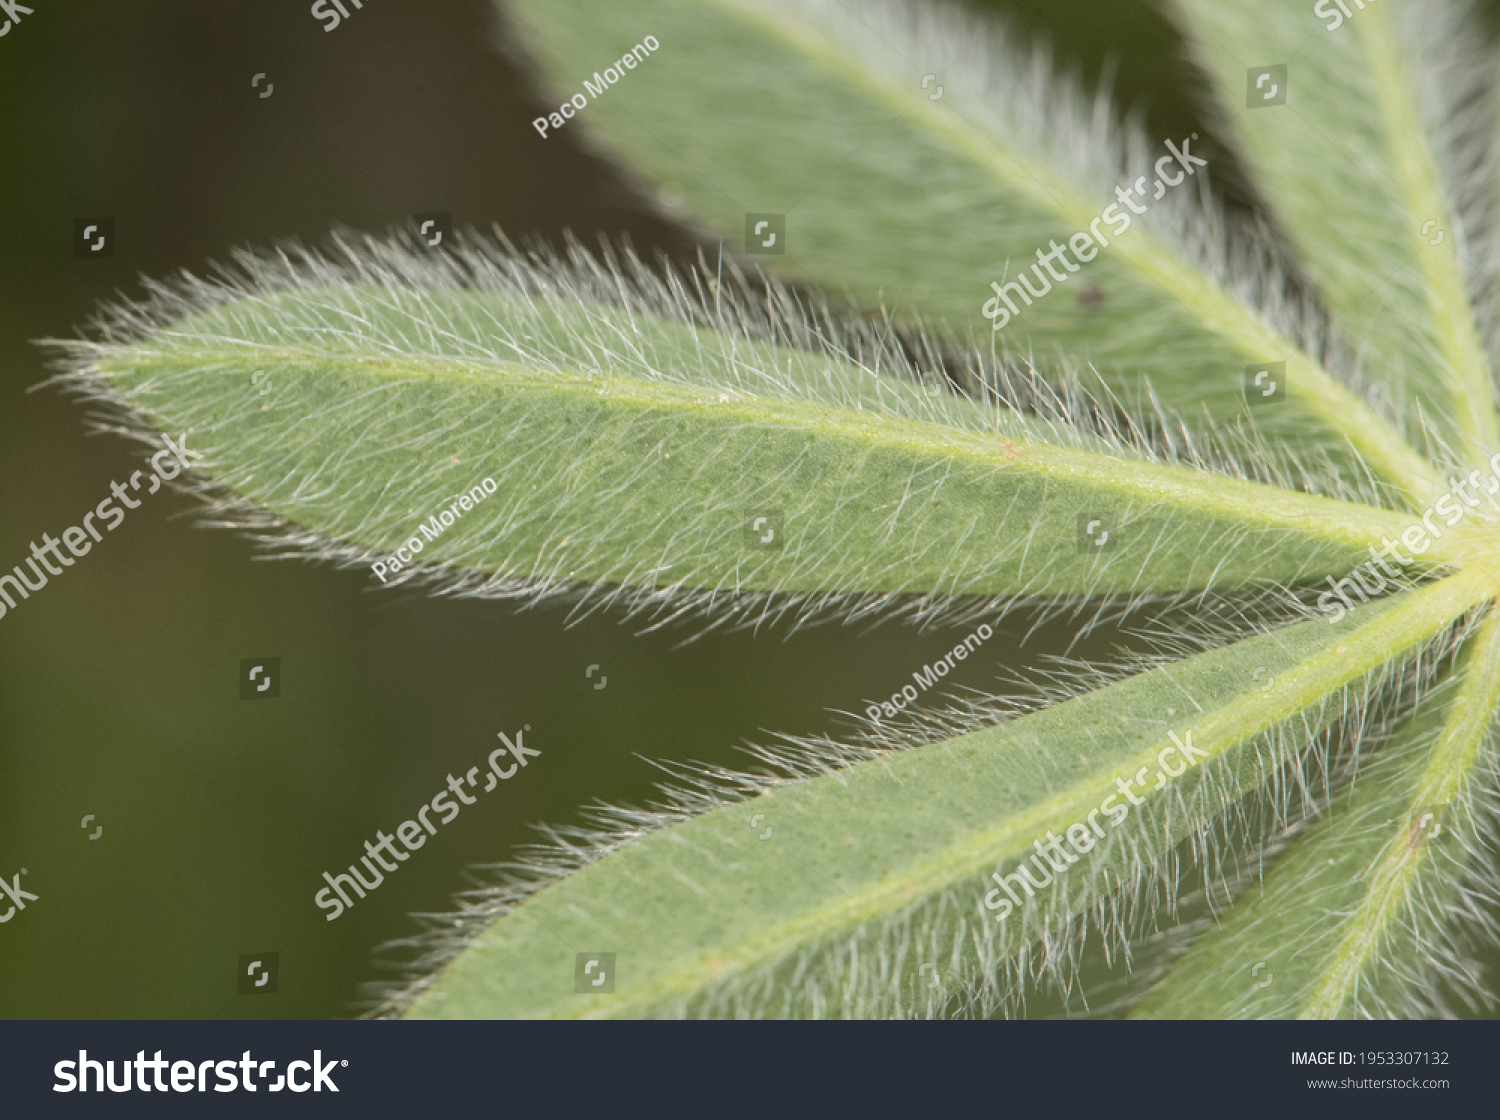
{"x":1338,"y":522}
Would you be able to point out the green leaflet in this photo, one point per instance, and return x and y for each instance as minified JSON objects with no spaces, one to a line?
{"x":917,"y":205}
{"x":1355,"y":913}
{"x":871,"y":872}
{"x":1351,"y":171}
{"x":627,"y":449}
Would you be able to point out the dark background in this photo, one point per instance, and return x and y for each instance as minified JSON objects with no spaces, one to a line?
{"x":118,"y":681}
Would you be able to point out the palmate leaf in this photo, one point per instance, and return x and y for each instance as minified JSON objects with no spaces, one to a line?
{"x":917,"y":205}
{"x":632,"y":426}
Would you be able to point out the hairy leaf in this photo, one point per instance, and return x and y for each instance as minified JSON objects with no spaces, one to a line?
{"x":633,"y":436}
{"x":1349,"y":163}
{"x":705,"y":443}
{"x":1358,"y":917}
{"x":919,"y":205}
{"x":872,"y":871}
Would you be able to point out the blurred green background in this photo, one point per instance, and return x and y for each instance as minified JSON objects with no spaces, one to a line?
{"x":119,"y":680}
